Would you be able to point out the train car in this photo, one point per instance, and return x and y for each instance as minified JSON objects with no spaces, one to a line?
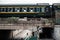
{"x":27,"y":10}
{"x":56,"y":7}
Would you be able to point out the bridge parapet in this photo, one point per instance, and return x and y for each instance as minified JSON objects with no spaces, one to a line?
{"x":26,"y":24}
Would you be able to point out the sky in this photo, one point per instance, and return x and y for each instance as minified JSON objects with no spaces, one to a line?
{"x":28,"y":1}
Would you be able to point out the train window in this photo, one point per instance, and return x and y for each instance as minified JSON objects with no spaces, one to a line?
{"x":34,"y":9}
{"x":27,"y":9}
{"x":31,"y":9}
{"x":17,"y":9}
{"x":6,"y":10}
{"x":46,"y":9}
{"x":43,"y":9}
{"x":10,"y":9}
{"x":24,"y":9}
{"x":13,"y":9}
{"x":38,"y":9}
{"x":20,"y":9}
{"x":2,"y":9}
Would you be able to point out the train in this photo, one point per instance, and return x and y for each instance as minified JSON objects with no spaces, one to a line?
{"x":56,"y":8}
{"x":27,"y":10}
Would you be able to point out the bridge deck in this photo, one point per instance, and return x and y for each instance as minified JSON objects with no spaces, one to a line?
{"x":22,"y":24}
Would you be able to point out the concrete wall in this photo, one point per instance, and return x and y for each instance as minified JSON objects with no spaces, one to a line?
{"x":22,"y":34}
{"x":57,"y":32}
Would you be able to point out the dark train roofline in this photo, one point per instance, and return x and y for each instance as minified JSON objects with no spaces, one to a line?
{"x":56,"y":4}
{"x":25,"y":4}
{"x":46,"y":4}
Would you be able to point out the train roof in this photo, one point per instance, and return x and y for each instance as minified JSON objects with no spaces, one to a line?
{"x":46,"y":4}
{"x":56,"y":4}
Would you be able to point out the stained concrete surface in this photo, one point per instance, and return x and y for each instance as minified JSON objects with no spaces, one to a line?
{"x":57,"y":32}
{"x":56,"y":35}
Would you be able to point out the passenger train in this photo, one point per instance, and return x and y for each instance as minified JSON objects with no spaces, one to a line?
{"x":56,"y":7}
{"x":28,"y":10}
